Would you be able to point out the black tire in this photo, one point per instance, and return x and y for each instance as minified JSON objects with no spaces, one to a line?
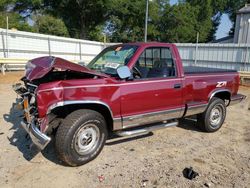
{"x":212,"y":119}
{"x":78,"y":131}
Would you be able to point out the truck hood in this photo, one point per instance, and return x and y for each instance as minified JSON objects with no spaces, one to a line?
{"x":39,"y":67}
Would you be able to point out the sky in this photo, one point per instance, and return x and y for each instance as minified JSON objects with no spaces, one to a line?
{"x":223,"y":28}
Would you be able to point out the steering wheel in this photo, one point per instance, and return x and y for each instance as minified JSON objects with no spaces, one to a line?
{"x":138,"y":72}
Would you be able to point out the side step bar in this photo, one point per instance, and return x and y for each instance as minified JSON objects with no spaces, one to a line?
{"x":145,"y":130}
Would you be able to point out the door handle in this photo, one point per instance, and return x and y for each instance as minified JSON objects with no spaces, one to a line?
{"x":177,"y":86}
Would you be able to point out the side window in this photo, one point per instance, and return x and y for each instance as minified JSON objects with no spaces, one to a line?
{"x":156,"y":62}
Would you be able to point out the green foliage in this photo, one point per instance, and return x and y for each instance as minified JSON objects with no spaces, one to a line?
{"x":80,"y":17}
{"x":3,"y":4}
{"x":15,"y":22}
{"x":47,"y":24}
{"x":120,"y":20}
{"x":178,"y":23}
{"x":27,"y":7}
{"x":127,"y":18}
{"x":96,"y":33}
{"x":217,"y":8}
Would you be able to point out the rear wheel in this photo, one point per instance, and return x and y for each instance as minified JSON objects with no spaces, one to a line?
{"x":212,"y":119}
{"x":81,"y":137}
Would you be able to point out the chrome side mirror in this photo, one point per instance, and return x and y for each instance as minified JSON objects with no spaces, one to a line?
{"x":123,"y":72}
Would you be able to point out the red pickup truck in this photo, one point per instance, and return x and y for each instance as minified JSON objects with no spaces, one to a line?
{"x":127,"y":89}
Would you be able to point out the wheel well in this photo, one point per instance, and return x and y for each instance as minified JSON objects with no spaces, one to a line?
{"x":63,"y":111}
{"x":224,"y":95}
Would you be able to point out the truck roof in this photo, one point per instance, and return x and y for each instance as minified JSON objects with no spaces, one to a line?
{"x":148,"y":44}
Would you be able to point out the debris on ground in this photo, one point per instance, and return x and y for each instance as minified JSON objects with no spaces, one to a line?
{"x":144,"y":182}
{"x":207,"y":184}
{"x":101,"y":178}
{"x":189,"y":173}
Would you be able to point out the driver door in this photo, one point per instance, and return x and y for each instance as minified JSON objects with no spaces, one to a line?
{"x":155,"y":97}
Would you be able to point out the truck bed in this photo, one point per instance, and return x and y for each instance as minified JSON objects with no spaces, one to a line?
{"x":198,"y":70}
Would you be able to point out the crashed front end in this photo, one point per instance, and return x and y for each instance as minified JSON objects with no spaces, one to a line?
{"x":31,"y":122}
{"x":46,"y":72}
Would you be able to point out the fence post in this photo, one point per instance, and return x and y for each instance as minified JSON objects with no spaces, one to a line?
{"x":4,"y":50}
{"x":196,"y":48}
{"x":7,"y":35}
{"x":49,"y":46}
{"x":80,"y":50}
{"x":2,"y":69}
{"x":4,"y":54}
{"x":246,"y":58}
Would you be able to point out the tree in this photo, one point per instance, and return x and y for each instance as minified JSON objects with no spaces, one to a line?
{"x":121,"y":20}
{"x":27,"y":7}
{"x":217,"y":8}
{"x":179,"y":23}
{"x":229,"y":7}
{"x":3,"y":4}
{"x":80,"y":16}
{"x":47,"y":24}
{"x":15,"y":22}
{"x":127,"y":18}
{"x":206,"y":23}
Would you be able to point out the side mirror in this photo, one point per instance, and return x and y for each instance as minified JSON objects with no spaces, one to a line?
{"x":123,"y":72}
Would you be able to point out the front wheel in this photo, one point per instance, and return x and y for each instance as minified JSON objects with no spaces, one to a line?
{"x":212,"y":119}
{"x":81,"y":137}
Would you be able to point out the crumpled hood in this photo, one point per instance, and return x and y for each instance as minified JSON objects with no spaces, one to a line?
{"x":39,"y":67}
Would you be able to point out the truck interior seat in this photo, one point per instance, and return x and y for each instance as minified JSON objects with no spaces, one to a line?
{"x":171,"y":67}
{"x":160,"y":69}
{"x":143,"y":70}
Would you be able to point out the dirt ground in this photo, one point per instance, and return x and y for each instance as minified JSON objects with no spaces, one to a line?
{"x":222,"y":159}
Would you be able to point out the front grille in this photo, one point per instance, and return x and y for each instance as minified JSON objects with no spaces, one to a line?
{"x":27,"y":92}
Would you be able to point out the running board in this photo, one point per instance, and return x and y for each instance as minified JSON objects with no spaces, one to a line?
{"x":145,"y":130}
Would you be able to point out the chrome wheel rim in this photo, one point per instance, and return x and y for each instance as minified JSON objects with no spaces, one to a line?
{"x":87,"y":138}
{"x":216,"y":115}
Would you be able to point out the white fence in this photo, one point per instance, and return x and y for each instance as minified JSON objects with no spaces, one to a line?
{"x":25,"y":45}
{"x":227,"y":56}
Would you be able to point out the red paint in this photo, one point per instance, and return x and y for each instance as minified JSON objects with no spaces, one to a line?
{"x":43,"y":65}
{"x":130,"y":97}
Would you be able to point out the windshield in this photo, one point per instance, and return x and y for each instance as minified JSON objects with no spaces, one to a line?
{"x":111,"y":58}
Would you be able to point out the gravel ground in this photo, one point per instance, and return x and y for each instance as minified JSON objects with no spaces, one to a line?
{"x":222,"y":159}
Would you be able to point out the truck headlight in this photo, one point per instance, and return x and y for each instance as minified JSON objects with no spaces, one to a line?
{"x":32,"y":99}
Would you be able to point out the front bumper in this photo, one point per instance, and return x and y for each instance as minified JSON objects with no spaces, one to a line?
{"x":237,"y":99}
{"x":38,"y":138}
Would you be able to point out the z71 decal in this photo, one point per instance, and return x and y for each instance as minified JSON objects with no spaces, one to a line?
{"x":221,"y":84}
